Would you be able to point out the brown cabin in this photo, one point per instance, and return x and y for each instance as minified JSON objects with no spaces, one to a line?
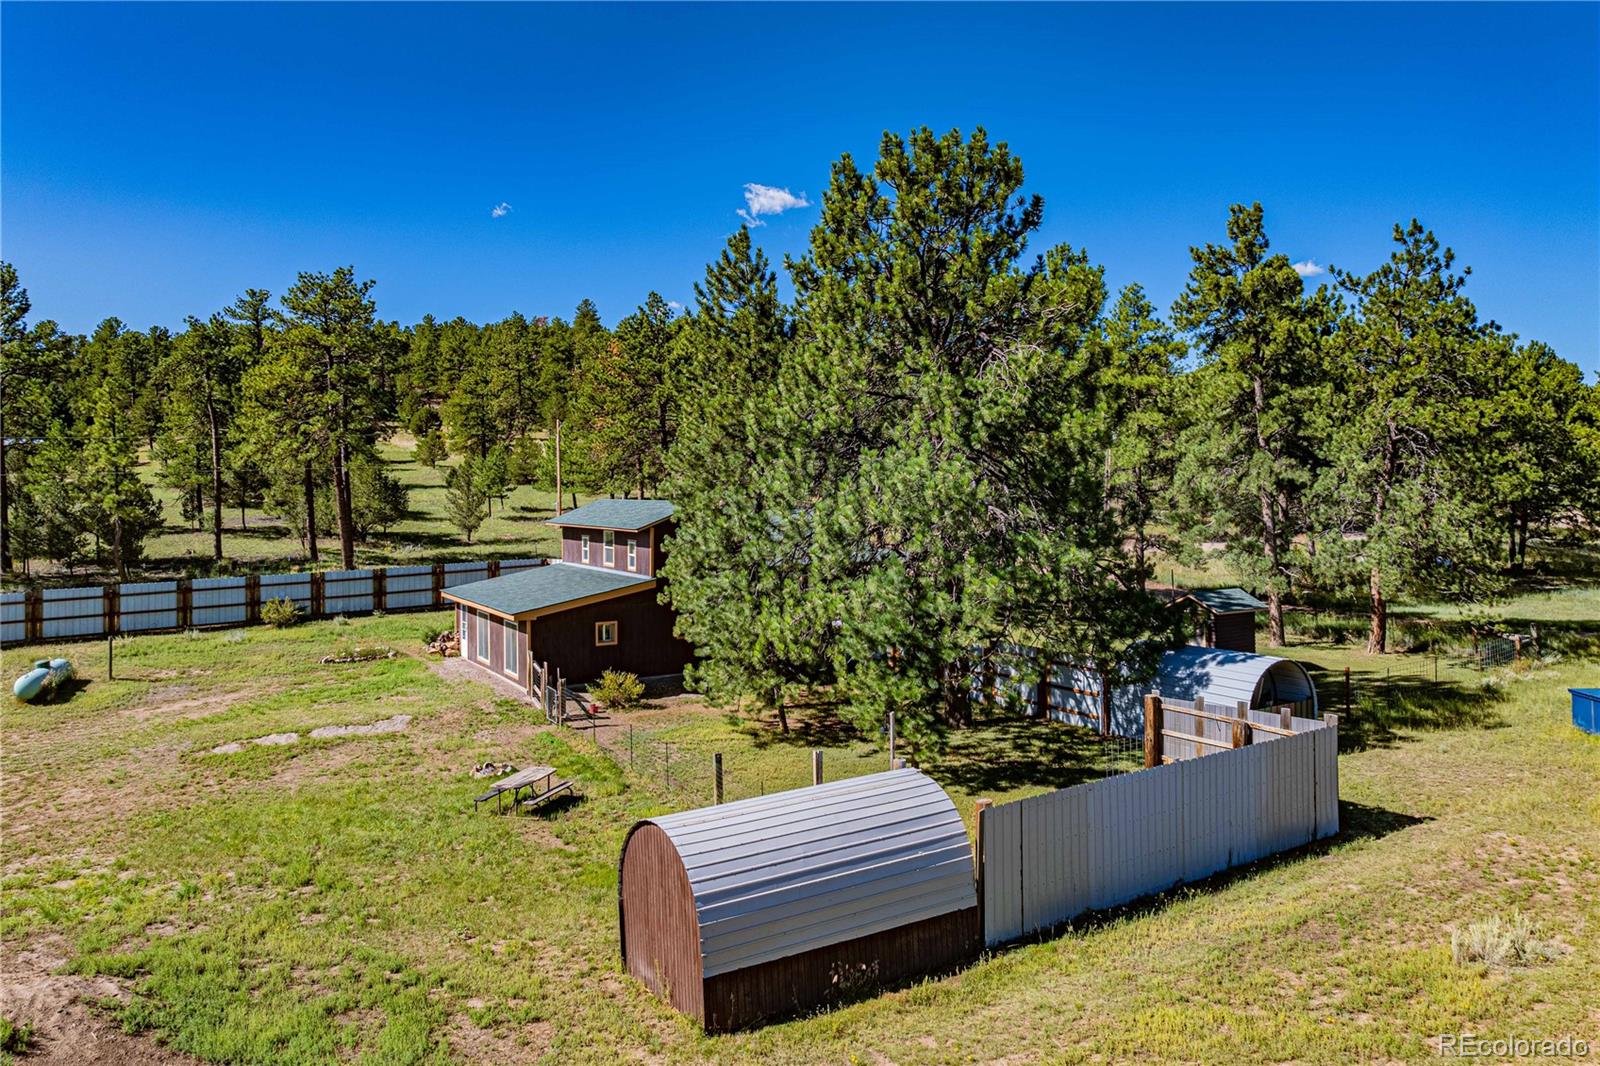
{"x":1224,"y":618}
{"x":599,"y":608}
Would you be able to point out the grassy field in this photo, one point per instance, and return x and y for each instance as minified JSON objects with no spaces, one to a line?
{"x":259,"y":542}
{"x":337,"y":900}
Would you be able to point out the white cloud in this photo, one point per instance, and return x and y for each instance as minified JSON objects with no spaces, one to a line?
{"x":500,"y":210}
{"x":675,"y":305}
{"x":768,"y":200}
{"x":1309,"y":268}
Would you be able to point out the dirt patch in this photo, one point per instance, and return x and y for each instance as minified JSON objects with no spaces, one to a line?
{"x":506,"y":1043}
{"x":173,"y":702}
{"x":67,"y":1029}
{"x":387,"y":725}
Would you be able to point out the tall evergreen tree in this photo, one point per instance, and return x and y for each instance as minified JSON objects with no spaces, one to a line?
{"x":119,"y":505}
{"x":1140,"y":388}
{"x":1247,"y":458}
{"x":201,"y":378}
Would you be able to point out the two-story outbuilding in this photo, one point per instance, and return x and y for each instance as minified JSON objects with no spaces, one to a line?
{"x":599,"y":608}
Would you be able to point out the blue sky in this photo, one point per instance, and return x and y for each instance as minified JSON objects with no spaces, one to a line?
{"x":159,"y":159}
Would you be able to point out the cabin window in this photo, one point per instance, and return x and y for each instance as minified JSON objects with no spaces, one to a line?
{"x":483,"y":638}
{"x":583,"y":547}
{"x":610,"y":554}
{"x":633,"y":553}
{"x":605,"y":634}
{"x":509,"y":664}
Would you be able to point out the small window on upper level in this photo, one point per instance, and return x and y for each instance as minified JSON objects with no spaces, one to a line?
{"x":605,"y":634}
{"x":610,"y":554}
{"x":633,"y":553}
{"x":583,"y":547}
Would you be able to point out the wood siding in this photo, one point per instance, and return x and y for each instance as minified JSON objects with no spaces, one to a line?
{"x":797,"y":983}
{"x":572,"y":549}
{"x":516,"y":669}
{"x":660,"y":929}
{"x":645,"y":643}
{"x":1234,"y":632}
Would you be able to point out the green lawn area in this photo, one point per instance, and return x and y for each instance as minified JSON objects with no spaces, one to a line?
{"x":260,"y":542}
{"x":337,"y":899}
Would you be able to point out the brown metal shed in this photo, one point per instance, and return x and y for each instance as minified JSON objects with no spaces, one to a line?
{"x":763,"y":908}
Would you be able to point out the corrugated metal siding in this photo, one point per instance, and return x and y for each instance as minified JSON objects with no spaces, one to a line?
{"x":795,"y":871}
{"x":408,"y":586}
{"x":218,"y":600}
{"x":13,"y":617}
{"x":1049,"y":858}
{"x":347,"y":590}
{"x":73,"y":612}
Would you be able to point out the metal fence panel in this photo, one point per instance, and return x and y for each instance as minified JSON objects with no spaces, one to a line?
{"x":464,"y":573}
{"x":13,"y":617}
{"x":510,"y":565}
{"x":218,"y":601}
{"x":293,"y":587}
{"x":73,"y":612}
{"x":1101,"y":844}
{"x":408,"y":586}
{"x":147,"y":605}
{"x":347,"y":591}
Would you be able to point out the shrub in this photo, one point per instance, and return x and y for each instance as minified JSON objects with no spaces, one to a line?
{"x":15,"y":1039}
{"x":279,"y":613}
{"x":1497,"y":942}
{"x":618,"y":689}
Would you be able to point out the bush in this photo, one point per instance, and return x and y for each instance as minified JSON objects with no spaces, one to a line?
{"x":15,"y":1039}
{"x":279,"y":613}
{"x":618,"y":690}
{"x":1497,"y":942}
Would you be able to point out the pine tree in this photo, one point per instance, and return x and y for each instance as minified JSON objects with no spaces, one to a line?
{"x":118,"y":504}
{"x":1247,"y":458}
{"x":464,"y":499}
{"x":1140,"y":388}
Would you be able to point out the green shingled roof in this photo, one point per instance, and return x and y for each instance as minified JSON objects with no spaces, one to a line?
{"x":1227,"y":601}
{"x":630,"y":516}
{"x":545,"y":586}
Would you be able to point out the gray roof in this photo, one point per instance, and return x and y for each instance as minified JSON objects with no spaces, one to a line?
{"x":543,"y":587}
{"x":629,"y":516}
{"x":1227,"y":678}
{"x":794,"y":871}
{"x":1227,"y":601}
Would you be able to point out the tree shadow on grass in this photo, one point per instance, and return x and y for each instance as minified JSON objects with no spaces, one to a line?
{"x":1383,"y":705}
{"x":814,"y":722}
{"x":1357,"y":821}
{"x":1000,"y":755}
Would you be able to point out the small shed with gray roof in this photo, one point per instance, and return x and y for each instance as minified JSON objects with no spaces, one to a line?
{"x":759,"y":909}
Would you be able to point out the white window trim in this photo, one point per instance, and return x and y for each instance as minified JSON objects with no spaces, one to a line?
{"x":633,"y":553}
{"x":583,"y":547}
{"x":615,"y":635}
{"x":484,"y":653}
{"x":508,"y":647}
{"x":608,"y":553}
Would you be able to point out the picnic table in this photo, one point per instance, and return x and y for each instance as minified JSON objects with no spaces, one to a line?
{"x":538,"y":780}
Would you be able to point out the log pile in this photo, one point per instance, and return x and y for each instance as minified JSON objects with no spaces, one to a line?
{"x":446,"y":645}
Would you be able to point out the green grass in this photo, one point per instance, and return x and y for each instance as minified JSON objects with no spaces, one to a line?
{"x":339,"y":900}
{"x":260,"y":542}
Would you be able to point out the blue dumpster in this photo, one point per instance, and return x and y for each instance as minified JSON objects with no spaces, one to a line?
{"x":1586,"y":709}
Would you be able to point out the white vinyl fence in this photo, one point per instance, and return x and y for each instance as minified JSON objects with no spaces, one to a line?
{"x":1047,"y":859}
{"x":154,"y":606}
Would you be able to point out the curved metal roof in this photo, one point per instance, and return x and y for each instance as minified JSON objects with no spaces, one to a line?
{"x":798,"y":870}
{"x":1227,"y":677}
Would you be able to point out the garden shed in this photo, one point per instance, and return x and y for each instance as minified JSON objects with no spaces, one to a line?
{"x":1222,"y":678}
{"x":761,"y":908}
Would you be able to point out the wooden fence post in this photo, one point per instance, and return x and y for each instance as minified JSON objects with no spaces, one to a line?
{"x":1347,"y":690}
{"x":494,"y":567}
{"x":891,"y":740}
{"x":111,"y":607}
{"x":716,"y":777}
{"x":1047,"y":673}
{"x":252,"y":598}
{"x":438,"y":584}
{"x":816,"y":766}
{"x":319,"y":595}
{"x":1286,"y":717}
{"x":979,"y":811}
{"x":380,"y":588}
{"x":1241,"y":726}
{"x":1152,"y":730}
{"x":1105,"y":704}
{"x":185,"y":603}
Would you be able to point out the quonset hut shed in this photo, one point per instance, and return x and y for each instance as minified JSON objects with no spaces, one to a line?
{"x":758,"y":909}
{"x":1222,"y":678}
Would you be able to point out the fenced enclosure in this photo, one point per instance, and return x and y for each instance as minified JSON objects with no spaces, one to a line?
{"x":163,"y":606}
{"x":1049,"y":858}
{"x":1176,"y":729}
